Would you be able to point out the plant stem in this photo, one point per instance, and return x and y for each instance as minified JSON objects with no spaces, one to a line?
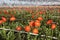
{"x":28,"y":36}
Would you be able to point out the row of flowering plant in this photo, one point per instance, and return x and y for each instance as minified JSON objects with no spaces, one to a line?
{"x":43,"y":22}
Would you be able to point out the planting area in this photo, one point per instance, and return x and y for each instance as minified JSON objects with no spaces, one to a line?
{"x":30,"y":24}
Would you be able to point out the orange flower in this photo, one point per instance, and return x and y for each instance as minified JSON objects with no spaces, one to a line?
{"x":53,"y":26}
{"x":41,"y":12}
{"x":37,"y":24}
{"x":5,"y":11}
{"x":1,"y":21}
{"x":32,"y":16}
{"x":4,"y":19}
{"x":59,"y":10}
{"x":12,"y":18}
{"x":19,"y":28}
{"x":31,"y":23}
{"x":49,"y":21}
{"x":40,"y":18}
{"x":35,"y":31}
{"x":27,"y":28}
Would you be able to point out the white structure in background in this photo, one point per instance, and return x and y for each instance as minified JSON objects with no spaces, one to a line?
{"x":28,"y":2}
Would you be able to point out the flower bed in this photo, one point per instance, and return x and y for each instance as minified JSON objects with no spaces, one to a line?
{"x":30,"y":24}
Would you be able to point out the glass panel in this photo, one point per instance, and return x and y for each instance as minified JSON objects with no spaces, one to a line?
{"x":28,"y":2}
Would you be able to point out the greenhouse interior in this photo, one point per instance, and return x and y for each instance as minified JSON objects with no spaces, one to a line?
{"x":29,"y":19}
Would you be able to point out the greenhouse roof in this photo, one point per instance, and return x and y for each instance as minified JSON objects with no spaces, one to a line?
{"x":28,"y":2}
